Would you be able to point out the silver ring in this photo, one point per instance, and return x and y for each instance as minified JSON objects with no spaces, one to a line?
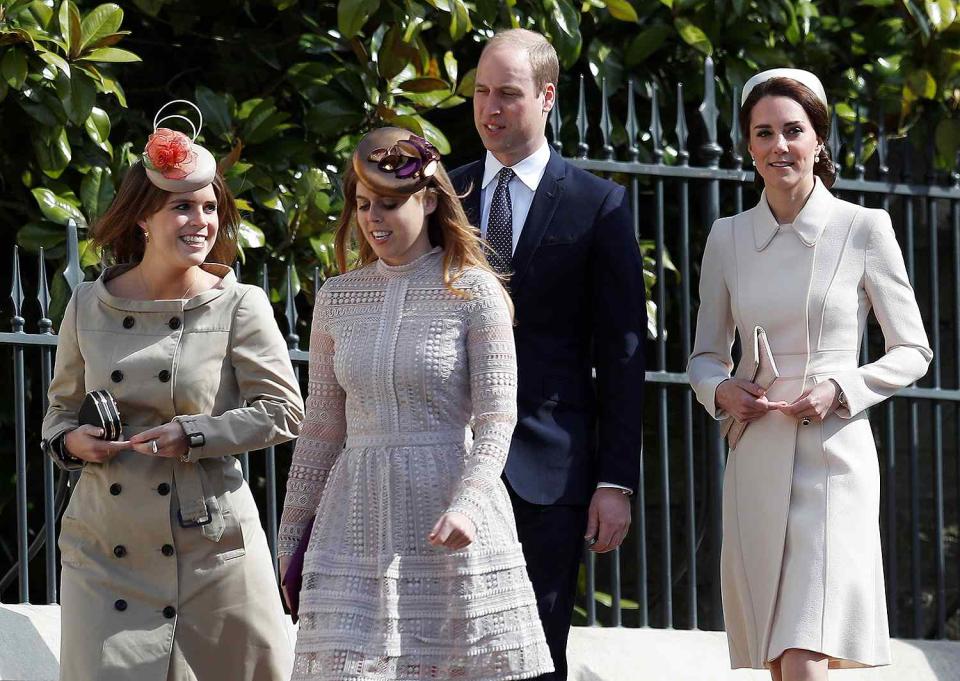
{"x":805,"y":421}
{"x":153,"y":446}
{"x":591,"y":541}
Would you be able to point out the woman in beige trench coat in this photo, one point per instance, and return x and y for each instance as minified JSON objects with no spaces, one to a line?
{"x":166,"y":570}
{"x":801,"y":570}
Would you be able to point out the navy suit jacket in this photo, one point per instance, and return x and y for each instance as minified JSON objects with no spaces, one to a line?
{"x":578,"y":289}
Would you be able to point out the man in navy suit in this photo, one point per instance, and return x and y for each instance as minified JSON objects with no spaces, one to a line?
{"x":566,"y":239}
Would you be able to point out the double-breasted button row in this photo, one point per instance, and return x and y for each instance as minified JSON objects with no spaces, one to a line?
{"x":117,"y":375}
{"x":174,"y":323}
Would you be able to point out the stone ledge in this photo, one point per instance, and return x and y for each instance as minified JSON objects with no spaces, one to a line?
{"x":30,"y":651}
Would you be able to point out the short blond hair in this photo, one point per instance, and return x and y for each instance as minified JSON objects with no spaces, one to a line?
{"x":543,"y":58}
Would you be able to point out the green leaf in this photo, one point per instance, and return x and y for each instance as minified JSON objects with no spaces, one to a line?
{"x":465,"y":89}
{"x":459,"y":19}
{"x":920,"y":85}
{"x":947,"y":141}
{"x":111,"y":86}
{"x":450,"y":65}
{"x":56,"y":60}
{"x":215,"y":108}
{"x":110,"y":55}
{"x":70,"y":31}
{"x":250,"y":236}
{"x":693,"y":35}
{"x":563,"y":23}
{"x":322,"y":250}
{"x":83,"y":95}
{"x":942,"y":13}
{"x":646,"y":43}
{"x":53,"y":154}
{"x":353,"y":14}
{"x":13,"y":68}
{"x":920,"y":17}
{"x":56,"y":209}
{"x":96,"y":191}
{"x":36,"y":235}
{"x":97,"y":126}
{"x":423,"y":85}
{"x":622,"y":10}
{"x":433,"y":135}
{"x":88,"y":252}
{"x":102,"y":21}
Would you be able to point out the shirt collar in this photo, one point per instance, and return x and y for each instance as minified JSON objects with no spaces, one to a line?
{"x":530,"y":170}
{"x":808,"y":225}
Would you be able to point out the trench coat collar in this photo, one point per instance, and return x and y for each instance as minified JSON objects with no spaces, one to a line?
{"x":808,"y":225}
{"x":227,"y":280}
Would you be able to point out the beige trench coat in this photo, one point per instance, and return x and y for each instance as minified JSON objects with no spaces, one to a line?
{"x":144,"y":595}
{"x":801,"y":564}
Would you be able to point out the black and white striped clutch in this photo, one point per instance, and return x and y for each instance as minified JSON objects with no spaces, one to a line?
{"x":100,"y":409}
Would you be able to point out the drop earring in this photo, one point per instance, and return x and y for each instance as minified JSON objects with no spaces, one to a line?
{"x":816,"y":158}
{"x":146,"y":235}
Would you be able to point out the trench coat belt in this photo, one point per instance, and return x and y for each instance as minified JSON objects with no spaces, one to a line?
{"x":196,"y":498}
{"x":795,"y":365}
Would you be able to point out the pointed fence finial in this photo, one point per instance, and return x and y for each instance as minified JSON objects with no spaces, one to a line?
{"x":656,"y":129}
{"x":683,"y":156}
{"x":556,"y":122}
{"x":16,"y":293}
{"x":633,"y":150}
{"x":606,"y":126}
{"x":43,"y":296}
{"x":73,"y":272}
{"x":711,"y":149}
{"x":290,"y":309}
{"x":882,"y":149}
{"x":582,"y":123}
{"x":735,"y":131}
{"x":834,"y":143}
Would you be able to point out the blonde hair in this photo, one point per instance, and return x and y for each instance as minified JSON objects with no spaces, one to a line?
{"x":447,"y":227}
{"x":543,"y":58}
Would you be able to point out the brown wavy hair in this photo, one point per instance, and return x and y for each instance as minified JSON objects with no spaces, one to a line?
{"x":815,"y":109}
{"x":138,"y":198}
{"x":447,"y":227}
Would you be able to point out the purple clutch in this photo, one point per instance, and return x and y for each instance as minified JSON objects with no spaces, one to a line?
{"x":293,"y":578}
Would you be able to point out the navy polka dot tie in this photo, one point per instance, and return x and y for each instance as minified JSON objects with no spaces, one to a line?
{"x":500,"y":224}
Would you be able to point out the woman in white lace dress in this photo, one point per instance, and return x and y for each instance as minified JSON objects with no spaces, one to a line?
{"x":413,"y":569}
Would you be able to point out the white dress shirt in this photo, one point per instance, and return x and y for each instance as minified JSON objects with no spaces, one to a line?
{"x":523,"y":187}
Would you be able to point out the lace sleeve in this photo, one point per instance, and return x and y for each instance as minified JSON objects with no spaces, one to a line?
{"x":493,"y":390}
{"x":321,"y":435}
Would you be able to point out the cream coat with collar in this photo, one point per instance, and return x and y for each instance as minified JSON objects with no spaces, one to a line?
{"x":801,"y":564}
{"x":143,"y":597}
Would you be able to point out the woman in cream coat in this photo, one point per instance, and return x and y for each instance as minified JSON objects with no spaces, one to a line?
{"x":166,"y":570}
{"x":801,"y":570}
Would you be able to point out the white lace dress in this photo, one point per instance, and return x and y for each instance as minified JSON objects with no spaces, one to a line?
{"x":400,"y":369}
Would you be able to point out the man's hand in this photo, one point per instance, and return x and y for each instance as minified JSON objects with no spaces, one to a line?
{"x":608,"y":519}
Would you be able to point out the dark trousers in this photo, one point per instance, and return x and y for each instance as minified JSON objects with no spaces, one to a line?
{"x":552,"y":540}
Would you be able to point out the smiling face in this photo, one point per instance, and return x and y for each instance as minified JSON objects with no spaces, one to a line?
{"x":184,"y":229}
{"x":509,"y":111}
{"x":783,"y":143}
{"x":395,"y":226}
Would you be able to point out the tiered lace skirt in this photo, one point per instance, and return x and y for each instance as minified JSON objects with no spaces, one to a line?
{"x":379,"y":602}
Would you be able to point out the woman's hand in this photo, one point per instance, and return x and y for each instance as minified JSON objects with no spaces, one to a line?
{"x":284,"y":566}
{"x":743,"y":400}
{"x":815,"y":404}
{"x":168,"y":440}
{"x":85,"y":443}
{"x":454,"y":531}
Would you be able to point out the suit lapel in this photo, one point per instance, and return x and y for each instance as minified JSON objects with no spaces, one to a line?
{"x":545,"y":203}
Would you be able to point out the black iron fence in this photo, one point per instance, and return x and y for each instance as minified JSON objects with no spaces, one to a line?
{"x":666,"y":573}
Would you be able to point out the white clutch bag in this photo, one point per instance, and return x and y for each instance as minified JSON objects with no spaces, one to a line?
{"x":764,"y":374}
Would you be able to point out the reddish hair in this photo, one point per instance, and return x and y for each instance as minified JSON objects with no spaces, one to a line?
{"x":138,"y":198}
